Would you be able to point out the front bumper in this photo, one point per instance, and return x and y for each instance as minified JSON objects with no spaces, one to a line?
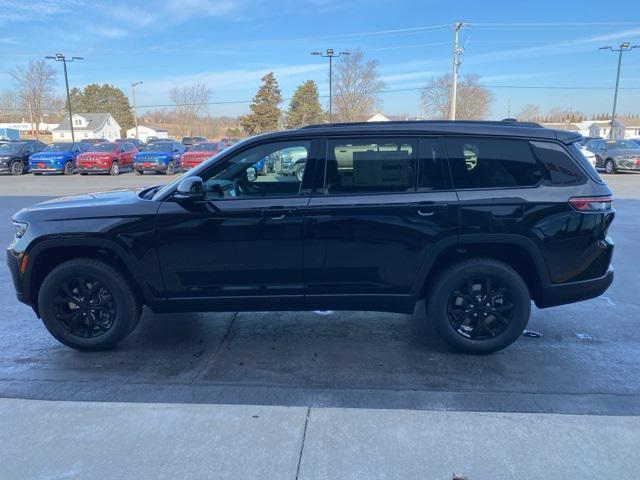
{"x":13,"y":262}
{"x":47,"y":170}
{"x":93,"y":169}
{"x":150,"y":167}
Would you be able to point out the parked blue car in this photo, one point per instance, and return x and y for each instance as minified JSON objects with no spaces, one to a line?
{"x":164,"y":157}
{"x":57,"y":158}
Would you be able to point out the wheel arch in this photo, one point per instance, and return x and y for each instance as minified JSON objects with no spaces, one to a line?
{"x":519,"y":253}
{"x":48,"y":254}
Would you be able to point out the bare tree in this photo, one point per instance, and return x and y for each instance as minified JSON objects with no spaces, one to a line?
{"x":529,"y":113}
{"x":34,"y":85}
{"x":190,"y":102}
{"x":357,"y":85}
{"x":472,"y":100}
{"x":558,"y":114}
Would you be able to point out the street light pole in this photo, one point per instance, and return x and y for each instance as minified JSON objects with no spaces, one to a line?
{"x":330,"y":54}
{"x":135,"y":113}
{"x":624,"y":47}
{"x":59,"y":57}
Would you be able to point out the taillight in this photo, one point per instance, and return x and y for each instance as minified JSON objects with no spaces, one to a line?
{"x":592,"y":204}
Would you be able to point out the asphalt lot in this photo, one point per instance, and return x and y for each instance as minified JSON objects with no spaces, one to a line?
{"x":586,"y":360}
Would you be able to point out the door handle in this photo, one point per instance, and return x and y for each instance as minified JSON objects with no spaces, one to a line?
{"x":429,"y":209}
{"x":275,"y":213}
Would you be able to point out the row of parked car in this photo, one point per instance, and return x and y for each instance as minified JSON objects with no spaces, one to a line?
{"x":162,"y":156}
{"x":614,"y":156}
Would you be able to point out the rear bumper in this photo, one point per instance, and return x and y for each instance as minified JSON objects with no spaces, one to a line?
{"x":561,"y":294}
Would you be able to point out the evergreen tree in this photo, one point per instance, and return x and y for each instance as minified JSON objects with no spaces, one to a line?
{"x":265,"y":112}
{"x":305,"y":108}
{"x":105,"y":98}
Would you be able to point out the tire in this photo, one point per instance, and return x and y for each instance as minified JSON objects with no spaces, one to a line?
{"x":449,"y":297}
{"x":610,"y":167}
{"x":300,"y":174}
{"x":170,"y":169}
{"x":68,"y":168}
{"x":84,"y":173}
{"x":37,"y":173}
{"x":17,"y":168}
{"x":139,"y":172}
{"x":114,"y":297}
{"x":115,"y":169}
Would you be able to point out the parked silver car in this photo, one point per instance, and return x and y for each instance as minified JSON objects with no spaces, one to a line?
{"x":616,"y":155}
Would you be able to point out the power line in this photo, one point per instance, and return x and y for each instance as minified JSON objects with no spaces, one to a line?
{"x":388,"y":90}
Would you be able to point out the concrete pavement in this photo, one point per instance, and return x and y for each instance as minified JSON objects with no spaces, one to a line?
{"x":60,"y":440}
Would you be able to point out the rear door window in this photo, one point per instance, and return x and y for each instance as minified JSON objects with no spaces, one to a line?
{"x":431,"y":164}
{"x":492,"y":163}
{"x":370,"y":165}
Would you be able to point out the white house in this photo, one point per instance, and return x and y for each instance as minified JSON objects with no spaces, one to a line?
{"x":602,"y":128}
{"x":87,"y":125}
{"x":146,"y":131}
{"x":379,"y":117}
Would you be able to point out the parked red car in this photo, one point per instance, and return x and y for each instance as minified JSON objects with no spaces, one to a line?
{"x":111,"y":158}
{"x":199,"y":153}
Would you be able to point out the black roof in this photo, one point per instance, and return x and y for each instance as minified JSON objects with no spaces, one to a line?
{"x":507,"y":128}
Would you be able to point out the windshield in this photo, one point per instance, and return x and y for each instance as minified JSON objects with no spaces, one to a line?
{"x":206,"y":147}
{"x":623,"y":144}
{"x":10,"y":148}
{"x":158,"y":147}
{"x":59,"y":147}
{"x":104,"y":147}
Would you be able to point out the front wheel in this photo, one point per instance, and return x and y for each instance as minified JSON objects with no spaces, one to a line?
{"x":170,"y":169}
{"x":479,"y":306}
{"x":610,"y":167}
{"x":88,"y":304}
{"x":68,"y":168}
{"x":139,"y":172}
{"x":115,"y":169}
{"x":17,"y":168}
{"x":300,"y":174}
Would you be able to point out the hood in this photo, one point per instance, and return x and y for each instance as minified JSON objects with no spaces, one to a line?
{"x":50,"y":155}
{"x":77,"y":203}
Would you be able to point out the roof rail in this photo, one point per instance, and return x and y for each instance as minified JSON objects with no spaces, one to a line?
{"x":506,"y":121}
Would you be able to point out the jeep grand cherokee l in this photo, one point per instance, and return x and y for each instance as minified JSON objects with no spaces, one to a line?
{"x":476,"y":218}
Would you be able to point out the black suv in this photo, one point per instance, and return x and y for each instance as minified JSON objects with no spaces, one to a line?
{"x":14,"y":156}
{"x":477,"y":218}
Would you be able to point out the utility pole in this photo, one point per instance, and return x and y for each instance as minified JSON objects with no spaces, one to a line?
{"x":624,"y":47}
{"x":135,"y":113}
{"x":59,"y":57}
{"x":330,"y":54}
{"x":454,"y":70}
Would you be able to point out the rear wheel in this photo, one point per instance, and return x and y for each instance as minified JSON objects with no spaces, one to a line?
{"x":68,"y":168}
{"x":115,"y":169}
{"x":17,"y":168}
{"x":88,"y":304}
{"x":610,"y":167}
{"x":479,"y":306}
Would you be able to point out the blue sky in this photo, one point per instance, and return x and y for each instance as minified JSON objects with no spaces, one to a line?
{"x":230,"y":44}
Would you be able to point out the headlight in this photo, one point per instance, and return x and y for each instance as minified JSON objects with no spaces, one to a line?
{"x":21,"y":228}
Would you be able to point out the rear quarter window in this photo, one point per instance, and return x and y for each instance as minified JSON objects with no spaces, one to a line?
{"x":492,"y":163}
{"x":562,"y":168}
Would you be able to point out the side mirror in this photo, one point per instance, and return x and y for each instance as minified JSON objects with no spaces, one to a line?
{"x":190,"y":189}
{"x":252,"y":174}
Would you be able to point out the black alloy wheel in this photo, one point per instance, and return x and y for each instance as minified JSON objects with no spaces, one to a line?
{"x":480,"y":309}
{"x":85,"y":307}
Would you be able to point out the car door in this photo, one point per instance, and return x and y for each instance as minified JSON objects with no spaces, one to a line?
{"x":372,"y":226}
{"x":244,"y":241}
